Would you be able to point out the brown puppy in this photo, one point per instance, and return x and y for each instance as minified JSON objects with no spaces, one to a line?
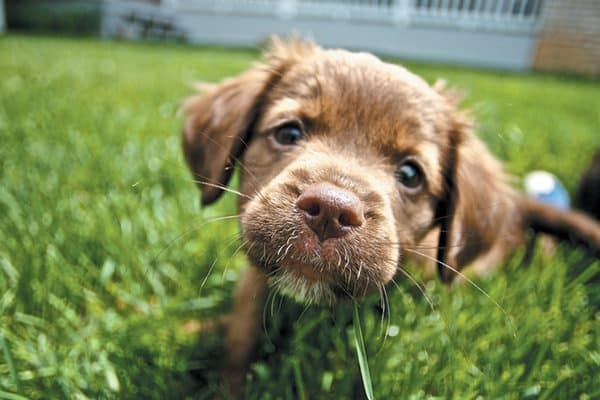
{"x":347,"y":165}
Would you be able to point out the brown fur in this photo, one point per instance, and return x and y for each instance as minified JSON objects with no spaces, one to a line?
{"x":587,"y":198}
{"x":361,"y":118}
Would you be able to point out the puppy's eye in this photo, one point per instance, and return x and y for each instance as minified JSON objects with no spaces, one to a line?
{"x":288,"y":135}
{"x":409,"y":175}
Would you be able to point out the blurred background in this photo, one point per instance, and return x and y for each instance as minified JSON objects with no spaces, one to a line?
{"x":554,"y":35}
{"x":107,"y":260}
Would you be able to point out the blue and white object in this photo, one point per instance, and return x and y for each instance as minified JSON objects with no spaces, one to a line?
{"x":545,"y":187}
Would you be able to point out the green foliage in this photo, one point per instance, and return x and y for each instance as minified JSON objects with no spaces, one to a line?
{"x":105,"y":253}
{"x":73,"y":17}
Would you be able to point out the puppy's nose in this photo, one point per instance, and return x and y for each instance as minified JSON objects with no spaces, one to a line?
{"x":330,"y":211}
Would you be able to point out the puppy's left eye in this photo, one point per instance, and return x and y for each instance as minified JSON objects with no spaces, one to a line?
{"x":288,"y":135}
{"x":410,"y":175}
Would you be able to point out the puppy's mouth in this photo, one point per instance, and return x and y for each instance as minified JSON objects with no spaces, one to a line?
{"x":306,"y":271}
{"x":318,"y":247}
{"x":305,"y":283}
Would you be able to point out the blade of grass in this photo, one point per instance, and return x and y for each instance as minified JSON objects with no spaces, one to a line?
{"x":298,"y":379}
{"x":361,"y":352}
{"x":10,"y":396}
{"x":10,"y":363}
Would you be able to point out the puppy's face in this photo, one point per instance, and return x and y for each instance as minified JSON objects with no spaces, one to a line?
{"x":342,"y":165}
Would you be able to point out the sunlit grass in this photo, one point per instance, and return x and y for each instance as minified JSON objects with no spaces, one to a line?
{"x":104,"y":248}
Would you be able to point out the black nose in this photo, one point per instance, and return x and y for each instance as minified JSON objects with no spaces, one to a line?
{"x":330,"y":211}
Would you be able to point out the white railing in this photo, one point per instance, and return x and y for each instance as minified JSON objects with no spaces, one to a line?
{"x":508,"y":14}
{"x":502,"y":15}
{"x":495,"y":33}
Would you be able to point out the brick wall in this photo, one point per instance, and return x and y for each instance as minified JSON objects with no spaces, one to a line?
{"x":569,"y":37}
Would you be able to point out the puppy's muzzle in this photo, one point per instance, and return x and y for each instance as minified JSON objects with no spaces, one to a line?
{"x":329,"y":211}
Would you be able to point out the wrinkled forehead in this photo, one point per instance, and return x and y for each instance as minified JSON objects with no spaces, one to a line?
{"x":357,"y":94}
{"x":359,"y":100}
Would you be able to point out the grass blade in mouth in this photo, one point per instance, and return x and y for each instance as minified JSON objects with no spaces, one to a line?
{"x":363,"y":363}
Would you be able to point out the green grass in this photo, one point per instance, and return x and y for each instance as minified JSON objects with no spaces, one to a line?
{"x":104,"y":248}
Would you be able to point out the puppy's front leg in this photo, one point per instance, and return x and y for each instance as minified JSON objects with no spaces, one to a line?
{"x":243,"y":328}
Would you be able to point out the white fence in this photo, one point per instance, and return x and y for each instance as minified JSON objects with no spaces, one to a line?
{"x":496,"y":33}
{"x":462,"y":14}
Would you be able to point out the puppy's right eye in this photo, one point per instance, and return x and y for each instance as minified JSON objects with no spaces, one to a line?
{"x":409,"y":175}
{"x":288,"y":135}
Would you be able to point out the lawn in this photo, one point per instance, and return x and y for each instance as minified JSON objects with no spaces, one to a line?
{"x":105,"y":252}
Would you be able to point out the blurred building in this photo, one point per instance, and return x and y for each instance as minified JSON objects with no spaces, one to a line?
{"x":558,"y":35}
{"x":553,"y":35}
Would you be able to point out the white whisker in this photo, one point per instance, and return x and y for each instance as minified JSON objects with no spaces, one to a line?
{"x":224,"y":188}
{"x":456,"y":271}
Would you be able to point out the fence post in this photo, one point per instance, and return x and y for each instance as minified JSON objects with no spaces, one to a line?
{"x":2,"y":17}
{"x":170,"y":3}
{"x":286,"y":9}
{"x":401,"y":10}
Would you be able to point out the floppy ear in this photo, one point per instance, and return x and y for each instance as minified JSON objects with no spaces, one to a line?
{"x":217,"y":126}
{"x":477,"y":201}
{"x":220,"y":121}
